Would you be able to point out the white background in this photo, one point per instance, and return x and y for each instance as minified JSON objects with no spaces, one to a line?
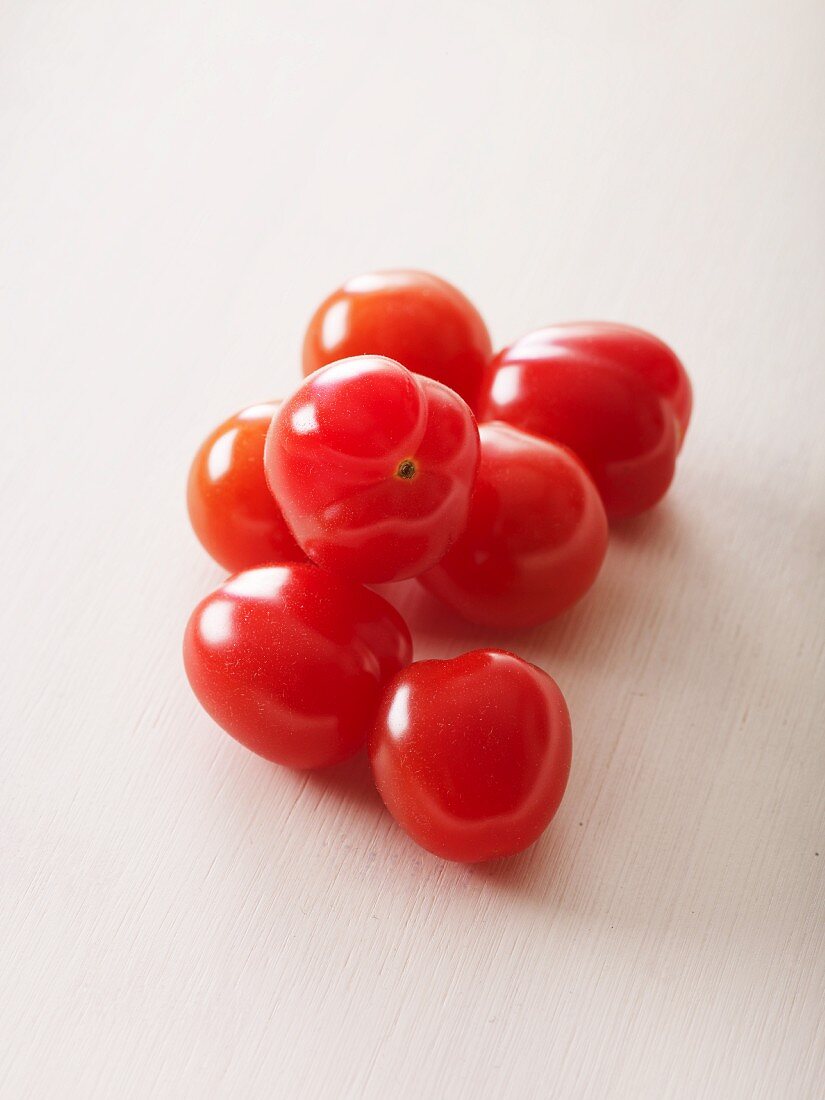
{"x":181,"y":183}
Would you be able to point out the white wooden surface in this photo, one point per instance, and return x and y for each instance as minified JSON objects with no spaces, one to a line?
{"x":180,"y":184}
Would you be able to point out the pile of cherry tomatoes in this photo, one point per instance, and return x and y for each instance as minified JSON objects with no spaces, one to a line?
{"x":410,"y":451}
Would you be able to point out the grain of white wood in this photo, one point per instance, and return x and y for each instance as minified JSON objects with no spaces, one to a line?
{"x":180,"y":184}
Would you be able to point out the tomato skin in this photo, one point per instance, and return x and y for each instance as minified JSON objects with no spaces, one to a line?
{"x":616,"y":396}
{"x":292,"y":661}
{"x":373,"y":467}
{"x":231,"y":509}
{"x":535,"y":538}
{"x":416,"y":318}
{"x":471,"y":756}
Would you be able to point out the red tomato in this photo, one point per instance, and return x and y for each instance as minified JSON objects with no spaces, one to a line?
{"x":616,"y":396}
{"x":471,"y":756}
{"x":231,"y":508}
{"x":292,"y":661}
{"x":417,"y":319}
{"x":373,"y":467}
{"x":535,"y":538}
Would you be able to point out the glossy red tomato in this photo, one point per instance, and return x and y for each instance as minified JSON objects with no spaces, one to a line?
{"x":231,"y":508}
{"x":292,"y":661}
{"x":616,"y":396}
{"x":411,"y":316}
{"x":535,"y":538}
{"x":471,"y":756}
{"x":373,"y":467}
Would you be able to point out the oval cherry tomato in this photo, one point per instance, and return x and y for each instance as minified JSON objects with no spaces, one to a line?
{"x":373,"y":467}
{"x":415,"y":318}
{"x":471,"y":756}
{"x":535,"y":538}
{"x":292,"y":661}
{"x":617,"y":397}
{"x":231,"y":508}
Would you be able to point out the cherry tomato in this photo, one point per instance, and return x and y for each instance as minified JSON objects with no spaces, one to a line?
{"x":231,"y":508}
{"x":471,"y":756}
{"x":291,"y":661}
{"x":535,"y":538}
{"x":616,"y":396}
{"x":418,"y":319}
{"x":373,"y":467}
